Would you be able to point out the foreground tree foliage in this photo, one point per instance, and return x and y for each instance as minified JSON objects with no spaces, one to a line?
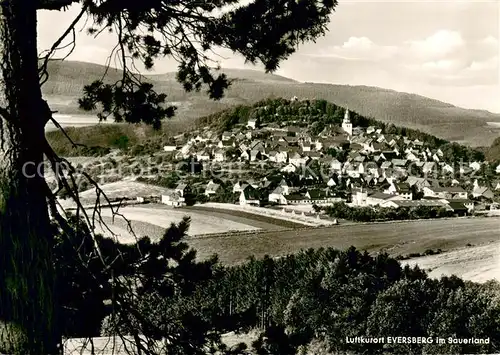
{"x":310,"y":301}
{"x":263,"y":30}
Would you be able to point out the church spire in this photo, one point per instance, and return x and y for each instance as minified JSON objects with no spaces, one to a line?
{"x":347,"y":116}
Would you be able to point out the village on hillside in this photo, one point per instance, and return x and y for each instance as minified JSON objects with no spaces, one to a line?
{"x":360,"y":166}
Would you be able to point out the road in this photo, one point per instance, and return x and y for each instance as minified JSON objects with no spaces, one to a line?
{"x":395,"y":238}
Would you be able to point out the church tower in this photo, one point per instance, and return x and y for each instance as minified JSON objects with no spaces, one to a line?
{"x":346,"y":123}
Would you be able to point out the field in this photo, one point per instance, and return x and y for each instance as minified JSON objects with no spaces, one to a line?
{"x":201,"y":223}
{"x":262,"y":222}
{"x":471,"y":245}
{"x":478,"y":264}
{"x":394,"y":238}
{"x":122,"y":189}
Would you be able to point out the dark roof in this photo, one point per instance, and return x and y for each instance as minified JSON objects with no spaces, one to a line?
{"x":457,"y":206}
{"x":251,"y":193}
{"x":317,"y":194}
{"x":295,"y":197}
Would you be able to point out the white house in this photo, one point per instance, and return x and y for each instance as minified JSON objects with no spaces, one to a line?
{"x":181,"y":189}
{"x":378,"y":198}
{"x":169,"y":148}
{"x":211,"y":188}
{"x":173,"y":199}
{"x":240,"y":186}
{"x":278,"y":196}
{"x":281,"y":157}
{"x":249,"y":197}
{"x":252,"y":123}
{"x":297,"y":160}
{"x":475,"y":165}
{"x":335,"y":165}
{"x":203,"y":156}
{"x":289,"y":168}
{"x":220,"y":155}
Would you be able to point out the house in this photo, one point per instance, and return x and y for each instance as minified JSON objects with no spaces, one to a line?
{"x":220,"y":155}
{"x":226,"y":136}
{"x":285,"y":185}
{"x":331,"y":182}
{"x":245,"y":155}
{"x":240,"y":186}
{"x":452,"y":192}
{"x":252,"y":123}
{"x":255,"y":155}
{"x":290,"y":168}
{"x":296,"y":199}
{"x":278,"y":195}
{"x":226,"y":143}
{"x":475,"y":165}
{"x":271,"y":155}
{"x":282,"y":157}
{"x":459,"y":209}
{"x":182,"y":189}
{"x":335,"y":165}
{"x":211,"y":188}
{"x":447,"y":168}
{"x":412,"y":157}
{"x":399,"y":162}
{"x":306,"y":147}
{"x":320,"y":197}
{"x":169,"y":148}
{"x":173,"y":199}
{"x":386,"y":165}
{"x":401,"y":189}
{"x":418,"y":182}
{"x":456,"y":203}
{"x":429,"y":167}
{"x":482,"y":191}
{"x":358,"y":196}
{"x":417,"y":203}
{"x":203,"y":156}
{"x":497,"y":169}
{"x":313,"y":155}
{"x":457,"y":192}
{"x":378,"y":198}
{"x":250,"y":197}
{"x":297,"y":159}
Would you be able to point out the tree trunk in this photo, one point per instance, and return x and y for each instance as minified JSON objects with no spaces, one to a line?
{"x":26,"y":271}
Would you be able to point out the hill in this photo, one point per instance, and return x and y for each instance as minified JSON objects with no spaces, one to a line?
{"x":432,"y":116}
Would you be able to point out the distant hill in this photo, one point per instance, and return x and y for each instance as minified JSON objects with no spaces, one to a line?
{"x":432,"y":116}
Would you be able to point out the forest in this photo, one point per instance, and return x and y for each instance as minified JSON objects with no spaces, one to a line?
{"x":309,"y":301}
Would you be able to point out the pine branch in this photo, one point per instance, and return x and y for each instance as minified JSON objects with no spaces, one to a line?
{"x":55,"y":4}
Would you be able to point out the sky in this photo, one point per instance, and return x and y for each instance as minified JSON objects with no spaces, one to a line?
{"x":446,"y":50}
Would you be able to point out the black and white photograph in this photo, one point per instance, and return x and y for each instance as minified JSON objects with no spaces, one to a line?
{"x":249,"y":177}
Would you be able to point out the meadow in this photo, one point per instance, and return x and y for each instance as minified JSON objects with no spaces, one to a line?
{"x":400,"y":238}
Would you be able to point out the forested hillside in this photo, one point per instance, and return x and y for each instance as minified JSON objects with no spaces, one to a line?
{"x":66,"y":81}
